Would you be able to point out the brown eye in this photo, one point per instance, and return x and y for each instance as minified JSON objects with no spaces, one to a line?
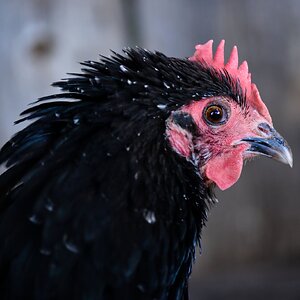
{"x":215,"y":115}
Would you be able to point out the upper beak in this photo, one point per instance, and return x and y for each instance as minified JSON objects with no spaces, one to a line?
{"x":270,"y":144}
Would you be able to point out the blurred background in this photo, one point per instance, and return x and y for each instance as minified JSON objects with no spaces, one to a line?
{"x":251,"y":247}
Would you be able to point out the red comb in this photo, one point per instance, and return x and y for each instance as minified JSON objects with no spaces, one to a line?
{"x":204,"y":54}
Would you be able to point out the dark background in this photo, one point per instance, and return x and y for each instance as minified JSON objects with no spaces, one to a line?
{"x":251,"y":247}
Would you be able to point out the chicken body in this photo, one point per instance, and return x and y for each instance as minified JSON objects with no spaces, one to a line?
{"x":107,"y":190}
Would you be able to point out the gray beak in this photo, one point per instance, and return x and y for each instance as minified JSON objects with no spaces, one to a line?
{"x":272,"y":144}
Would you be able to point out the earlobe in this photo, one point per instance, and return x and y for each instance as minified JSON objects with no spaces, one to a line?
{"x":179,"y":139}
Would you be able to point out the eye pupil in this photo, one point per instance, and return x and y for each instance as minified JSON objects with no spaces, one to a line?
{"x":215,"y":114}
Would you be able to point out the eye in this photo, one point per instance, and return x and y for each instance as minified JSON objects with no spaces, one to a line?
{"x":215,"y":114}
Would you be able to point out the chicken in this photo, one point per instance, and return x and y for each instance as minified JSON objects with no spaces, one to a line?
{"x":106,"y":191}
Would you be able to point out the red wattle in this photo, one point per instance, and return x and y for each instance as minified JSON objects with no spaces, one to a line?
{"x":225,"y":169}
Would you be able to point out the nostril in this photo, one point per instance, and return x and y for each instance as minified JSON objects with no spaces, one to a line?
{"x":265,"y":128}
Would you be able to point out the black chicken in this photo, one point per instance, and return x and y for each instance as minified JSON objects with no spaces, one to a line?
{"x":105,"y":193}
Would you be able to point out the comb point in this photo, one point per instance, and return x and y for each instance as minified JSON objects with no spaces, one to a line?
{"x":203,"y":52}
{"x":233,"y":60}
{"x":219,"y":55}
{"x":243,"y":68}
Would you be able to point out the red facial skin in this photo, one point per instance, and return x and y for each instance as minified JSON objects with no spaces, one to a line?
{"x":222,"y":143}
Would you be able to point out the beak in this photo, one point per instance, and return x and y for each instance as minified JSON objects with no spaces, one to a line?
{"x":270,"y":144}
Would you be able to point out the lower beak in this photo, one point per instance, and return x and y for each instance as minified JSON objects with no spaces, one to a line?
{"x":272,"y":144}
